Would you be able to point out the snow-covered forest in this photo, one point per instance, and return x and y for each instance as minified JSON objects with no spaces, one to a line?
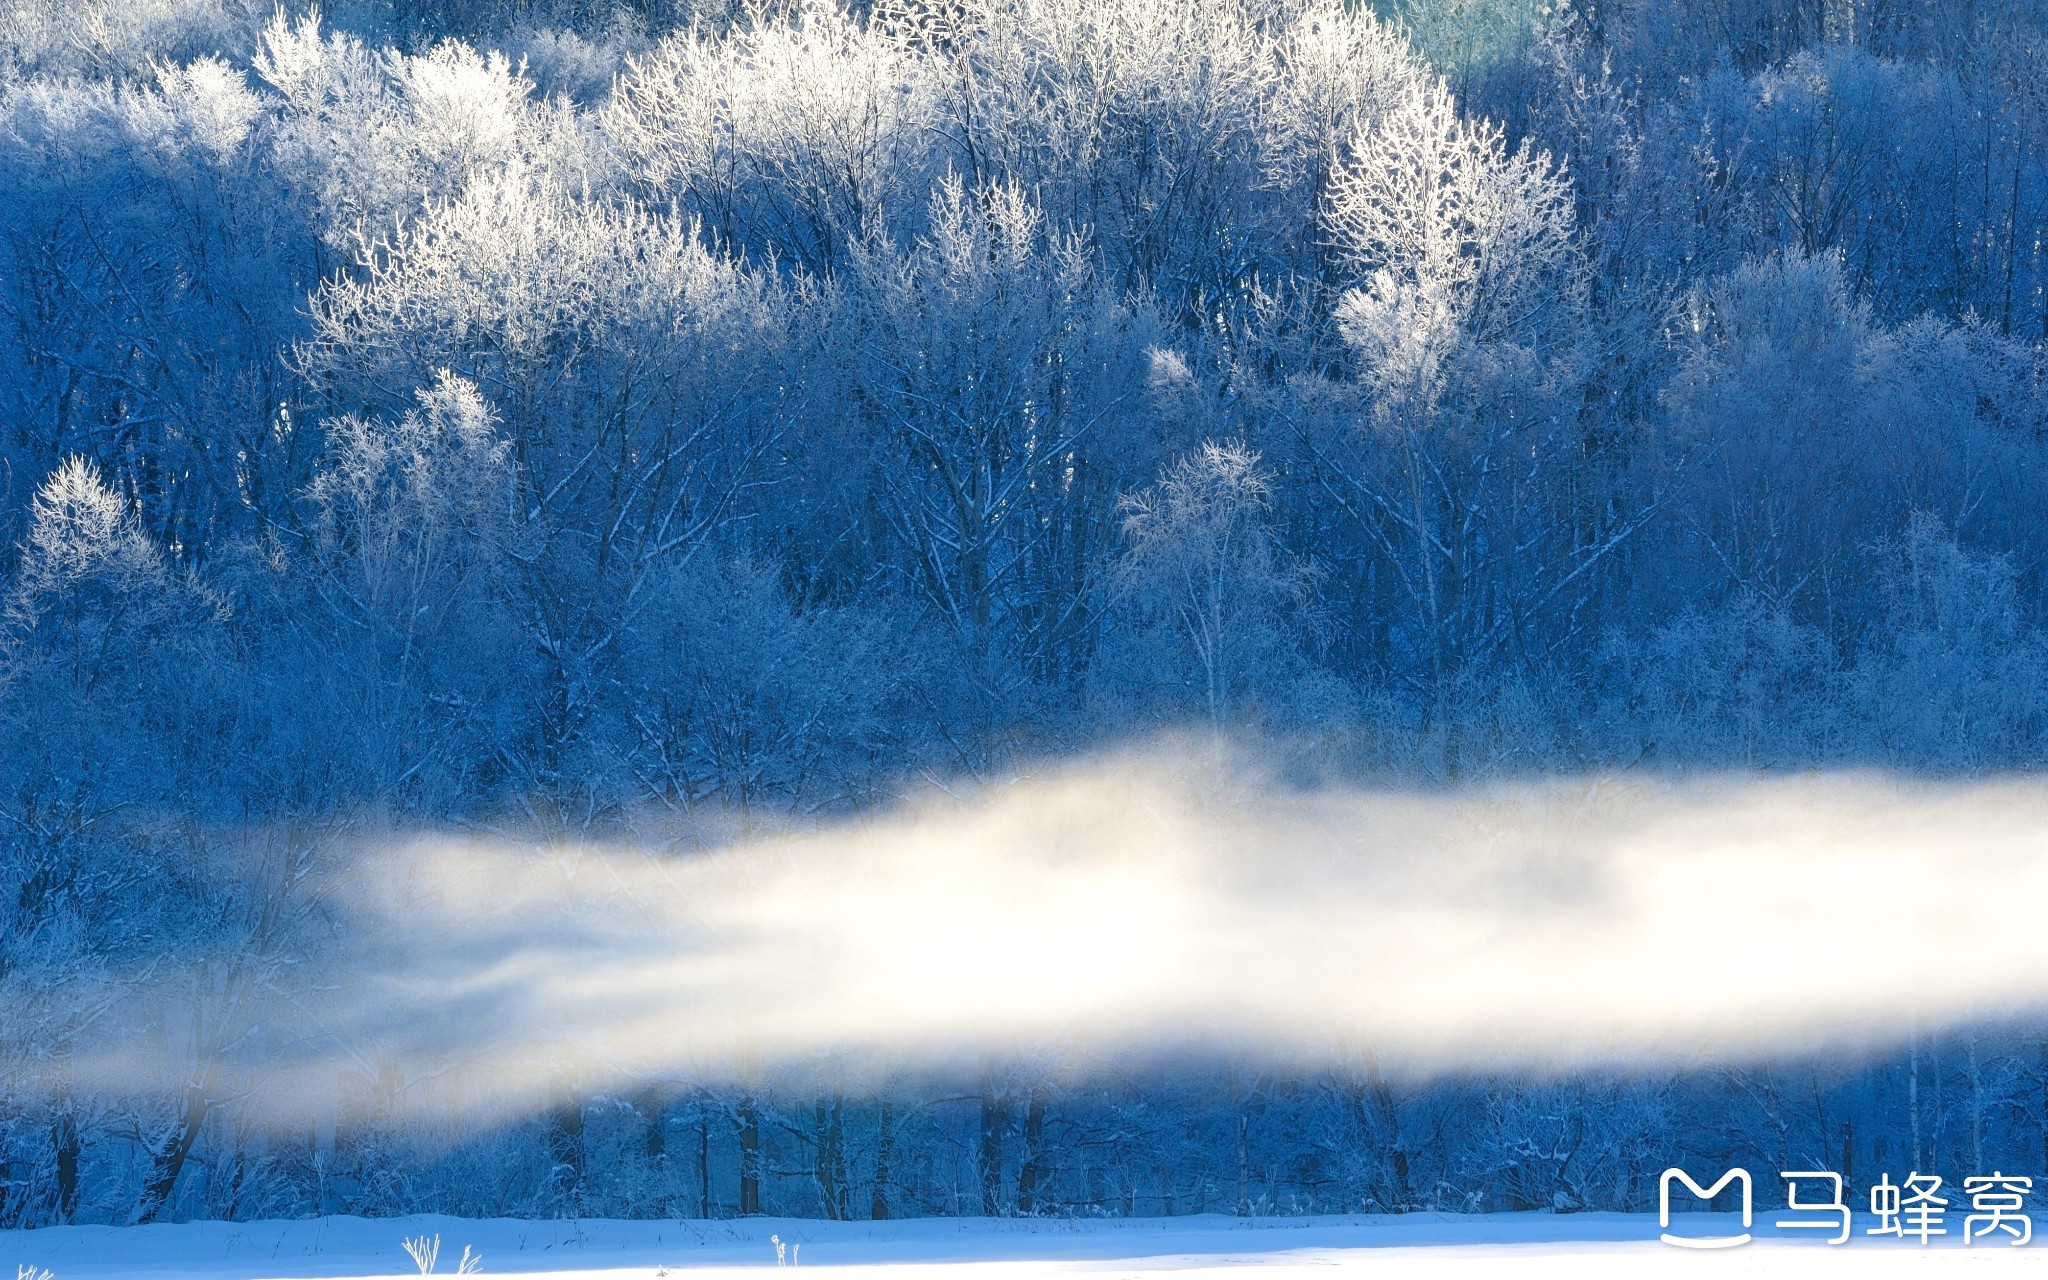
{"x":634,"y":424}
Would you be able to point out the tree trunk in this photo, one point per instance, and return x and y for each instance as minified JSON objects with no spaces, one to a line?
{"x":169,"y":1160}
{"x":654,"y":1112}
{"x":885,"y":1151}
{"x":993,"y":1120}
{"x":1390,"y":1123}
{"x":829,"y":1166}
{"x":703,"y":1160}
{"x":565,"y":1141}
{"x":1848,"y":1156}
{"x":1244,"y":1166}
{"x":750,"y":1156}
{"x":64,"y":1138}
{"x":1241,"y":1123}
{"x":1031,"y":1174}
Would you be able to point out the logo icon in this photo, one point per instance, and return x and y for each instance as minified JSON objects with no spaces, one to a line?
{"x":1704,"y":1193}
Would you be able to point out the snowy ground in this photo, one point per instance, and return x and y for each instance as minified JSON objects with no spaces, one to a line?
{"x":1426,"y":1246}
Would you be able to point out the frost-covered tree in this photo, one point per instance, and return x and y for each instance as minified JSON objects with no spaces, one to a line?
{"x":110,"y":693}
{"x":739,"y":705}
{"x":1456,"y":462}
{"x":1213,"y":615}
{"x":636,"y":375}
{"x":1000,"y":380}
{"x":415,"y":540}
{"x":151,"y":280}
{"x":1802,"y":435}
{"x":792,"y":140}
{"x":1955,"y":675}
{"x":1457,"y":238}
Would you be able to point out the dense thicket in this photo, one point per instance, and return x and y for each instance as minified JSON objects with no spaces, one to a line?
{"x":659,"y":422}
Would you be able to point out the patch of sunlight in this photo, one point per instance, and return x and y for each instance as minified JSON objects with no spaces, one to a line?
{"x":1464,"y":39}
